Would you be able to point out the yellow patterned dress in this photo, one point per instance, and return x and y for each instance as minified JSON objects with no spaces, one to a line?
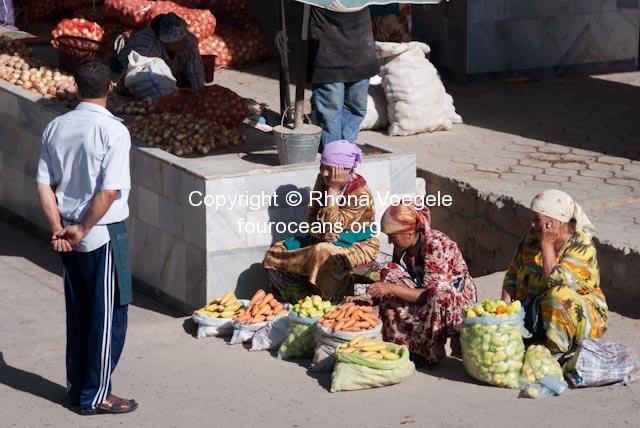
{"x":324,"y":268}
{"x":572,"y":304}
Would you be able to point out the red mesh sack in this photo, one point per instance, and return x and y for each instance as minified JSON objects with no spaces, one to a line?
{"x":236,"y":47}
{"x":131,"y":13}
{"x":77,"y":27}
{"x":200,"y":22}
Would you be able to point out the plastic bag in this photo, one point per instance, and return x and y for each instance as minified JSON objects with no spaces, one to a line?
{"x":208,"y":326}
{"x":327,"y":340}
{"x":271,"y":336}
{"x":244,"y":331}
{"x":599,"y":362}
{"x":541,"y":374}
{"x":300,"y":339}
{"x":492,"y":348}
{"x":417,"y":100}
{"x":353,"y":372}
{"x":149,"y":77}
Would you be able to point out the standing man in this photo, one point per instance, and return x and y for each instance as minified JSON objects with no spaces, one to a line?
{"x":83,"y":184}
{"x":342,"y":59}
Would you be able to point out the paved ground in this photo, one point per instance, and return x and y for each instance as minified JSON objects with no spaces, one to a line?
{"x":578,"y":134}
{"x":181,"y":381}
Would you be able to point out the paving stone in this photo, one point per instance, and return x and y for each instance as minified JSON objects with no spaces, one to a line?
{"x":558,"y":171}
{"x":569,"y":165}
{"x":591,"y":173}
{"x":579,"y":158}
{"x":609,"y":189}
{"x":633,"y":184}
{"x":535,"y":163}
{"x":586,"y":180}
{"x":632,"y":167}
{"x":525,"y":170}
{"x":509,"y":176}
{"x":613,"y":160}
{"x":606,"y":167}
{"x":627,"y":174}
{"x":553,"y":149}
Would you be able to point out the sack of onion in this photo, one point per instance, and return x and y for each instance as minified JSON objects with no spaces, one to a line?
{"x":236,"y":47}
{"x":77,"y":27}
{"x":200,"y":22}
{"x":128,"y":12}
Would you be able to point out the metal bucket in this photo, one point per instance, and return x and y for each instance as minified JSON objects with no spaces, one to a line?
{"x":297,"y":146}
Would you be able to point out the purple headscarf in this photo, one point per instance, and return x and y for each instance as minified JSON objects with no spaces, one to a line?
{"x":342,"y":153}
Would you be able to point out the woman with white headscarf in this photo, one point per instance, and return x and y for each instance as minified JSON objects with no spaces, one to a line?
{"x":555,"y":274}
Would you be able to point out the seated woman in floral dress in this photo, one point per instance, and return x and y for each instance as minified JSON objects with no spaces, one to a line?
{"x":424,"y":290}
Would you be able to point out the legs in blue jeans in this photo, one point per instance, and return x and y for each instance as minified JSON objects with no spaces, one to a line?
{"x":340,"y":108}
{"x":354,"y":109}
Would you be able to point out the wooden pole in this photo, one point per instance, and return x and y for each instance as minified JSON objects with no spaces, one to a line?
{"x":282,"y":46}
{"x":301,"y":80}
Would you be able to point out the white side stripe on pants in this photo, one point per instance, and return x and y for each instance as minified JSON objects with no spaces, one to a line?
{"x":105,"y":354}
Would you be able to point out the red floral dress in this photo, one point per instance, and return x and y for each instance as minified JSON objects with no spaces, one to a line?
{"x":440,"y":269}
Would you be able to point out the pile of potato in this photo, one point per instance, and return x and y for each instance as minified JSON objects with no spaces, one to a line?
{"x":183,"y":134}
{"x":143,"y":107}
{"x":19,"y":67}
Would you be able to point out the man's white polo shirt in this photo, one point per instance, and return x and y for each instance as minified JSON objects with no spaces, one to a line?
{"x":83,"y":152}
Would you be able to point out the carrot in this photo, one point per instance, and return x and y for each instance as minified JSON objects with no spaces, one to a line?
{"x":331,"y":315}
{"x":278,"y":307}
{"x":339,"y":326}
{"x":349,"y":323}
{"x":367,"y":309}
{"x":270,"y":317}
{"x":273,"y":303}
{"x":351,"y":310}
{"x":281,"y":312}
{"x":358,"y":314}
{"x":259,"y":318}
{"x":263,"y":309}
{"x":266,"y":299}
{"x":370,"y":318}
{"x":257,"y":297}
{"x":363,"y":325}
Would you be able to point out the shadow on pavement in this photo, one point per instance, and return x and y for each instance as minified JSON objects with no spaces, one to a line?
{"x":323,"y":378}
{"x":451,"y":369}
{"x":32,"y":383}
{"x":16,"y":243}
{"x":578,"y":112}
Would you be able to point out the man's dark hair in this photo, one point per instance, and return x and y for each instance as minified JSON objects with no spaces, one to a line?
{"x":92,"y":78}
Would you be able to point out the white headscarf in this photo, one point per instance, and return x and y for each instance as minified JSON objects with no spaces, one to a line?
{"x":560,"y":206}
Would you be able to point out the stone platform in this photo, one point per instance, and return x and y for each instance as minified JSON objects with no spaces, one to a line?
{"x":185,"y":254}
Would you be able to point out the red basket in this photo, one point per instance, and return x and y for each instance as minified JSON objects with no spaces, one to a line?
{"x":72,"y":49}
{"x":209,"y":62}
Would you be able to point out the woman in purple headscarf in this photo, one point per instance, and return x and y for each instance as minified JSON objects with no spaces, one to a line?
{"x":341,"y":223}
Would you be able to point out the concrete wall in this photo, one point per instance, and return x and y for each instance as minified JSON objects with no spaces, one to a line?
{"x":531,"y":37}
{"x":184,"y":255}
